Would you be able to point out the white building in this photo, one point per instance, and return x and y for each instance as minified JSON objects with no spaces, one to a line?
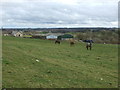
{"x":51,"y":37}
{"x":17,"y":33}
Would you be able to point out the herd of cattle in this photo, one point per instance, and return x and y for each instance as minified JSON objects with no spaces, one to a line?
{"x":88,"y":43}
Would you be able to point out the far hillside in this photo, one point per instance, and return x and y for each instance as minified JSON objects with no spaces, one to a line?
{"x":98,"y":35}
{"x":103,"y":36}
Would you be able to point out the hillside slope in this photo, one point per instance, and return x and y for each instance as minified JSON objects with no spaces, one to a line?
{"x":36,"y":63}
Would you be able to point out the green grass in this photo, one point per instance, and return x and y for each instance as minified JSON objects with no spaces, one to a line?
{"x":59,"y":66}
{"x":27,"y":36}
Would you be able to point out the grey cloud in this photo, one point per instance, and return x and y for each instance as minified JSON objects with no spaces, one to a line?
{"x":47,"y":13}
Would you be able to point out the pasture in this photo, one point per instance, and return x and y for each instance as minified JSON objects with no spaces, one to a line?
{"x":35,"y":63}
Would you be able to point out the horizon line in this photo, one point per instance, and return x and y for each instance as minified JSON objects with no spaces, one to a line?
{"x":57,"y":27}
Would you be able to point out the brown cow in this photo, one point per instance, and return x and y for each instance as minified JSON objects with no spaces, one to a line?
{"x":57,"y":41}
{"x":72,"y":43}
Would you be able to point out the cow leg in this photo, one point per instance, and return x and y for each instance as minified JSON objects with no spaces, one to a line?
{"x":90,"y":47}
{"x":87,"y":47}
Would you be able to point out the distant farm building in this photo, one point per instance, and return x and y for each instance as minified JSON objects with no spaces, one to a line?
{"x":5,"y":34}
{"x":51,"y":37}
{"x":65,"y":37}
{"x":17,"y":33}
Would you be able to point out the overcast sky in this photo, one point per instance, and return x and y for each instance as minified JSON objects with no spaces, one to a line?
{"x":59,"y":13}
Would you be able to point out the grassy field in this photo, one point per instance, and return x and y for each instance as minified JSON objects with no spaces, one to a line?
{"x":35,"y":63}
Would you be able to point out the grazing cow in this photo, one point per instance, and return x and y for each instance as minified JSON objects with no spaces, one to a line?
{"x":89,"y":45}
{"x":72,"y":43}
{"x":57,"y":41}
